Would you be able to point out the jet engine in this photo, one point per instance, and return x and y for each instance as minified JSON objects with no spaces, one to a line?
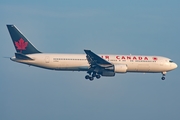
{"x":119,"y":68}
{"x":110,"y":71}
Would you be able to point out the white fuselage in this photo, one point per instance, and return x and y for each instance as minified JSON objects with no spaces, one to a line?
{"x":78,"y":62}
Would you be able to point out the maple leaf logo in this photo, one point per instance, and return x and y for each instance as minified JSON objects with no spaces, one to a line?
{"x":21,"y":45}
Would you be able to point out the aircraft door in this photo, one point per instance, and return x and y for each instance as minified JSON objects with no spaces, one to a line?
{"x":47,"y":59}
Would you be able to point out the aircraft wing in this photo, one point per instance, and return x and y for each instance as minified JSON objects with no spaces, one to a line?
{"x":95,"y":60}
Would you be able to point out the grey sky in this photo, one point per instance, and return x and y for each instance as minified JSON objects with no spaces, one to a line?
{"x":113,"y":27}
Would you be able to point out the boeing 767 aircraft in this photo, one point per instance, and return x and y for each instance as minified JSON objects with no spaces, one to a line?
{"x":95,"y":65}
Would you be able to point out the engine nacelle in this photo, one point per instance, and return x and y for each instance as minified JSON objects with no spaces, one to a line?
{"x":108,"y":71}
{"x":120,"y":68}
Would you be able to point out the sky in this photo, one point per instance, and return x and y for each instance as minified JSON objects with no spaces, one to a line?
{"x":140,"y":27}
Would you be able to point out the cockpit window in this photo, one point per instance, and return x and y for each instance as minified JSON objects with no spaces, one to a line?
{"x":170,"y":61}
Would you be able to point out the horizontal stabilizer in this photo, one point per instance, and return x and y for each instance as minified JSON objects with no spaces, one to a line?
{"x":22,"y":56}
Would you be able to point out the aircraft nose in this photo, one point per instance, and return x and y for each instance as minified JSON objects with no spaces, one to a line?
{"x":175,"y":66}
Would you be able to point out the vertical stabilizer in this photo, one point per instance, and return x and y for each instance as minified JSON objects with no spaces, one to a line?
{"x":21,"y":44}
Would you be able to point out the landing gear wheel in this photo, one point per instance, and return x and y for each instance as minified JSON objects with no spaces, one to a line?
{"x":98,"y":76}
{"x":87,"y":77}
{"x":163,"y":78}
{"x":94,"y":75}
{"x":91,"y":78}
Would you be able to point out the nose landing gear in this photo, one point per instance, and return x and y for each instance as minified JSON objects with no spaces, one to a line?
{"x":163,"y":77}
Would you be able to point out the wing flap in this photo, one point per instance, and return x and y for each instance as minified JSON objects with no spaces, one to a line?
{"x":94,"y":59}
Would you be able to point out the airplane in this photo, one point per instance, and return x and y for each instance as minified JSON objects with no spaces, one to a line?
{"x":96,"y":65}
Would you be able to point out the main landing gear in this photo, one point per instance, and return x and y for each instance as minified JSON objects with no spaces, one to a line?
{"x":163,"y":77}
{"x":91,"y":77}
